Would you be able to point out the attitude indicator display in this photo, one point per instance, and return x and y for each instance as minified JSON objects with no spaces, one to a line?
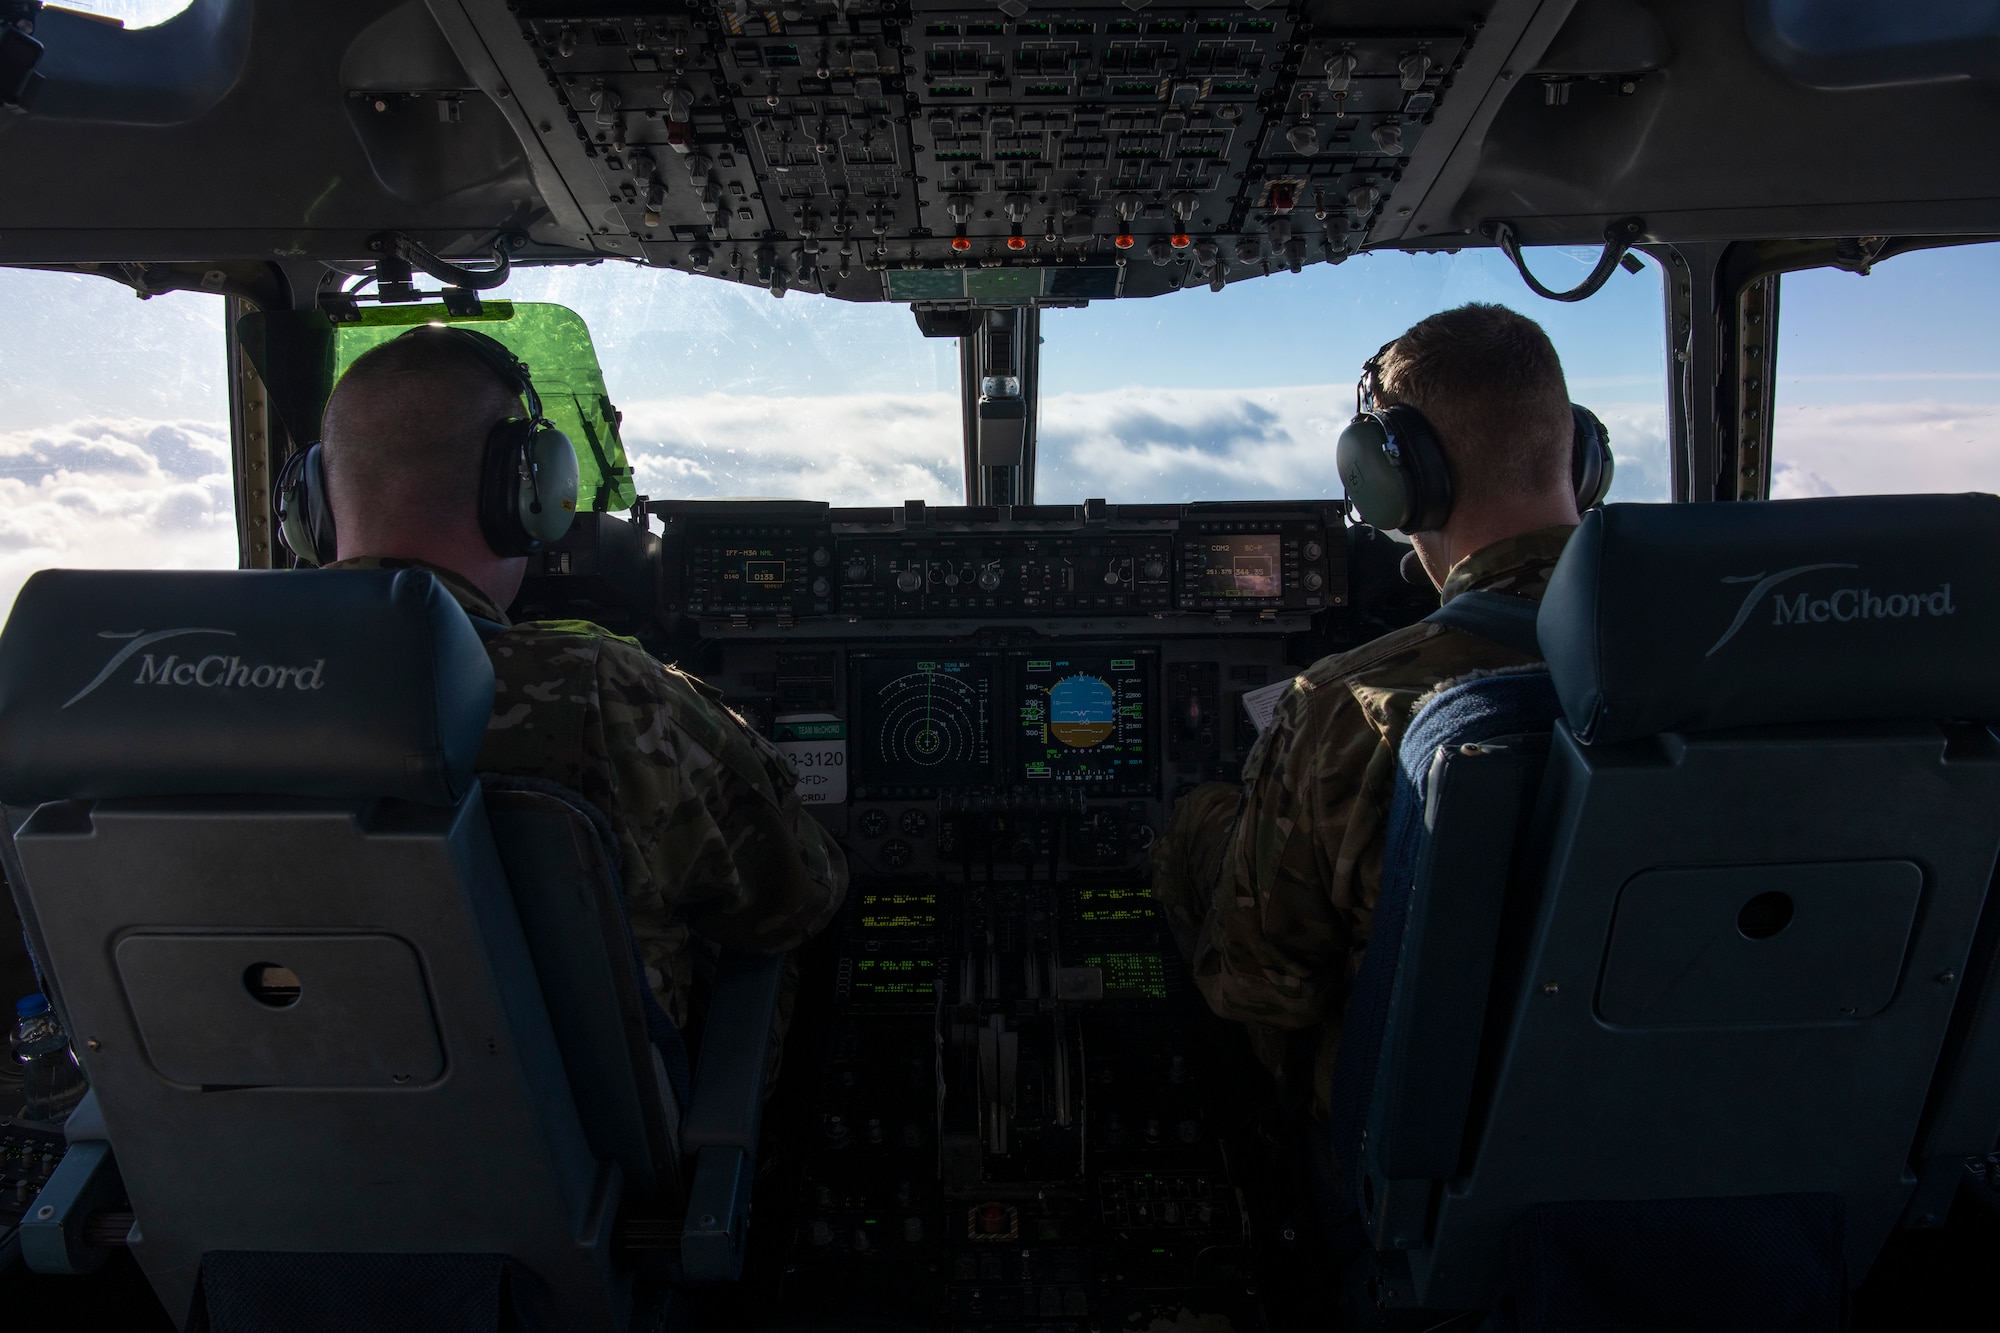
{"x":1083,"y":718}
{"x":924,"y":722}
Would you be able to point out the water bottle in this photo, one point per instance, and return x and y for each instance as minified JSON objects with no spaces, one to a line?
{"x":52,"y":1083}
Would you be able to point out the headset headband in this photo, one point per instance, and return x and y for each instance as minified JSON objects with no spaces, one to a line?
{"x":499,"y":358}
{"x":1369,"y":387}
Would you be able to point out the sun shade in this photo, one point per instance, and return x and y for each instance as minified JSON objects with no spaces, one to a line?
{"x":554,"y":343}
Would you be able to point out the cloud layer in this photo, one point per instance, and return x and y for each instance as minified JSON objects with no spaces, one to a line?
{"x":131,"y":493}
{"x":1133,"y":445}
{"x":1880,"y":448}
{"x":115,"y":494}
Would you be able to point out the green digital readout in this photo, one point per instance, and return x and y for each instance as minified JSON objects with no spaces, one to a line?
{"x":893,"y":980}
{"x":890,"y":910}
{"x":1131,"y":976}
{"x":1100,"y":905}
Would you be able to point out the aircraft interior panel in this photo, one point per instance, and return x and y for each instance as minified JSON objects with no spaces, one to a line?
{"x":1004,"y":1104}
{"x":1005,"y":1100}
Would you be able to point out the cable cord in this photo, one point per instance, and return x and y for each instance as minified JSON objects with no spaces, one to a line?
{"x":418,"y":255}
{"x":1618,"y":240}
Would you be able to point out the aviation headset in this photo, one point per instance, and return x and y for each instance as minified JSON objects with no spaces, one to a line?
{"x":1395,"y":473}
{"x":527,"y":474}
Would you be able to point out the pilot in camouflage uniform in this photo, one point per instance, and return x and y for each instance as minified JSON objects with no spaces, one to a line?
{"x":714,"y":839}
{"x":1270,"y":887}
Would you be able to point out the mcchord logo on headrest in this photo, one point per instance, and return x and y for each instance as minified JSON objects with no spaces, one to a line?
{"x":1842,"y":604}
{"x":210,"y":672}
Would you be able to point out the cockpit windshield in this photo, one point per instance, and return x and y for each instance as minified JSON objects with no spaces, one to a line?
{"x":1192,"y":396}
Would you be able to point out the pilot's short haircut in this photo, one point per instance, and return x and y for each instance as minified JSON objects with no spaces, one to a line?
{"x":1488,"y":380}
{"x":407,"y":424}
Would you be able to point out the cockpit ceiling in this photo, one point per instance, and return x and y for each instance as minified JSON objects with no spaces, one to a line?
{"x":955,"y":150}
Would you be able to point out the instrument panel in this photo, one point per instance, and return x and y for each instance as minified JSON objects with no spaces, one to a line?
{"x":1008,"y":1101}
{"x":761,"y":562}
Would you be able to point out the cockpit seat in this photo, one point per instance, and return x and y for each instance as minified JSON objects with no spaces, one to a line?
{"x":367,"y":1035}
{"x":1658,"y":1016}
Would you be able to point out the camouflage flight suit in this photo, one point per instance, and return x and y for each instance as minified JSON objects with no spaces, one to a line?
{"x":714,"y":838}
{"x":1270,"y":888}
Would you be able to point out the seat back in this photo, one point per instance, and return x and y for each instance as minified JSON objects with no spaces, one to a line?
{"x":264,"y":884}
{"x":1729,"y":942}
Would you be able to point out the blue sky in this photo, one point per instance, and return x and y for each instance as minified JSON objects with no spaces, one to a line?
{"x":113,"y":443}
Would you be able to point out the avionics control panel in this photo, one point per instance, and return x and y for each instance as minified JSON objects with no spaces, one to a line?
{"x":741,"y":565}
{"x":1005,"y":1107}
{"x":1255,"y":560}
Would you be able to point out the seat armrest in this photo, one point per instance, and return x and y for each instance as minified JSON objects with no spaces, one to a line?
{"x":52,"y":1231}
{"x":721,"y":1126}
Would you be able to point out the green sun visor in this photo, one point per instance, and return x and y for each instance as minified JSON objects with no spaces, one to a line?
{"x":554,"y":343}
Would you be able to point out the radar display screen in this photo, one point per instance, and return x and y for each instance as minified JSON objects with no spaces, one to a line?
{"x":923,"y":722}
{"x":1247,"y":566}
{"x":1084,"y":718}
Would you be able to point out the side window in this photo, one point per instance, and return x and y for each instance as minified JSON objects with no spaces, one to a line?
{"x":1889,"y":383}
{"x":114,"y":452}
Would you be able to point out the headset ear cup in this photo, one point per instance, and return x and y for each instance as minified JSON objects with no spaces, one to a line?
{"x":1591,"y":466}
{"x":1431,"y":493}
{"x":1394,"y":471}
{"x":1376,"y":482}
{"x":305,"y":517}
{"x":499,"y":488}
{"x":545,"y":496}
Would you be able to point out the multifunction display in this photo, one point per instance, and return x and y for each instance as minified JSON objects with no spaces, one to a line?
{"x":1231,"y":567}
{"x":924,"y":722}
{"x":1083,"y":718}
{"x":755,"y":569}
{"x":1259,"y":563}
{"x":754,"y":573}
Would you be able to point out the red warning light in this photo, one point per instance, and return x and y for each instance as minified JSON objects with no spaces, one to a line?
{"x":1123,"y":240}
{"x":1017,"y":242}
{"x":961,"y":243}
{"x":1181,"y":240}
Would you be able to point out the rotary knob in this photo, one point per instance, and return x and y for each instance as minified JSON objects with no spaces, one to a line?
{"x":821,"y":556}
{"x":821,"y":587}
{"x":1153,"y":568}
{"x":909,"y":580}
{"x":856,"y":571}
{"x":1314,"y":582}
{"x":989,"y":579}
{"x":1314,"y":550}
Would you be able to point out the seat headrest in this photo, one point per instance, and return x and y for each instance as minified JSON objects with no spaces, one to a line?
{"x":342,"y":684}
{"x":1690,"y":617}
